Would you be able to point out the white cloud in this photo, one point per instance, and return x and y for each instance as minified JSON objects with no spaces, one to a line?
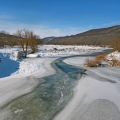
{"x":41,"y":30}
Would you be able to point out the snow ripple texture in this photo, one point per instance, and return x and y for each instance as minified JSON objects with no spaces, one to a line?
{"x":98,"y":110}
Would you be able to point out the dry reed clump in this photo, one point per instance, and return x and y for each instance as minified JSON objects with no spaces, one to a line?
{"x":98,"y":60}
{"x":113,"y":62}
{"x":118,"y":63}
{"x":92,"y":62}
{"x":101,"y":57}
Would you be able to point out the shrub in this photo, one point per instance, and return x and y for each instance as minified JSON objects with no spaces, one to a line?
{"x":92,"y":62}
{"x":113,"y":62}
{"x":118,"y":63}
{"x":101,"y":57}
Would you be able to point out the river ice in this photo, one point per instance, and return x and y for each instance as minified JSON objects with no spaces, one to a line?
{"x":96,"y":96}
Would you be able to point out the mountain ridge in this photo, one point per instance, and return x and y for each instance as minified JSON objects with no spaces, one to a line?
{"x":93,"y":36}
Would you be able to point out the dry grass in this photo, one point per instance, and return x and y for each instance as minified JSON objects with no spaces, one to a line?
{"x":113,"y":62}
{"x":92,"y":62}
{"x":118,"y":63}
{"x":101,"y":57}
{"x":97,"y":61}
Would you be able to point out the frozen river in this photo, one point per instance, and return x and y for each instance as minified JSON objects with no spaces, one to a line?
{"x":49,"y":97}
{"x":53,"y":94}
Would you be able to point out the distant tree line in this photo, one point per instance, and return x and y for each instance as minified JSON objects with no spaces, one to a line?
{"x":78,"y":42}
{"x":6,"y":39}
{"x":96,"y":37}
{"x":27,"y":39}
{"x":112,"y":41}
{"x":23,"y":38}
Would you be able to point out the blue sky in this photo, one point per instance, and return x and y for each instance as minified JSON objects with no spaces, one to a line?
{"x":58,"y":17}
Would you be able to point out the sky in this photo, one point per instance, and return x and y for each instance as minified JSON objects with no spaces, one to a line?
{"x":58,"y":17}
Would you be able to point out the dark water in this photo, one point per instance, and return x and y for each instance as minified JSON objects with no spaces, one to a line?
{"x":50,"y":96}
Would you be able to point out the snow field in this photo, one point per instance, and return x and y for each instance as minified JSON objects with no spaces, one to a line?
{"x":98,"y":90}
{"x":27,"y":67}
{"x":96,"y":95}
{"x":114,"y":55}
{"x":10,"y":65}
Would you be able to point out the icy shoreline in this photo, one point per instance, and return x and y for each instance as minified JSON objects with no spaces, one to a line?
{"x":96,"y":95}
{"x":15,"y":73}
{"x":89,"y":89}
{"x":18,"y":84}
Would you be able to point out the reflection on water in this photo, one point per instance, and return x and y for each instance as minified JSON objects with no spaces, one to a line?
{"x":49,"y":97}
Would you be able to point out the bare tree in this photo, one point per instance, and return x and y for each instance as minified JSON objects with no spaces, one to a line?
{"x":33,"y":42}
{"x":27,"y":39}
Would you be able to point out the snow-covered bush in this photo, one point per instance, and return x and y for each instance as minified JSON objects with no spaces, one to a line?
{"x":113,"y":62}
{"x":118,"y":64}
{"x":113,"y":59}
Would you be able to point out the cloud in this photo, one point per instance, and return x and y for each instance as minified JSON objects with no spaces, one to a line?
{"x":41,"y":30}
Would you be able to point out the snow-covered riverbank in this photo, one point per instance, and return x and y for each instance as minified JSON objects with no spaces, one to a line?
{"x":19,"y":76}
{"x":91,"y":87}
{"x":96,"y":96}
{"x":10,"y":64}
{"x":22,"y":83}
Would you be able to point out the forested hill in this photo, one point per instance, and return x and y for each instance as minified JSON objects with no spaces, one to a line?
{"x":6,"y":39}
{"x":102,"y":36}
